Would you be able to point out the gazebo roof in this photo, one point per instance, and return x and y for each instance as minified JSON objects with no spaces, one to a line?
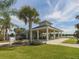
{"x":45,"y":24}
{"x":45,"y":21}
{"x":38,"y":27}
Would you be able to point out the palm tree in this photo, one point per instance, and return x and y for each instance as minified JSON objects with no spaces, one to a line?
{"x":5,"y":26}
{"x":6,"y":4}
{"x":77,"y":25}
{"x":30,"y":15}
{"x":76,"y":34}
{"x":2,"y":31}
{"x":77,"y":17}
{"x":5,"y":12}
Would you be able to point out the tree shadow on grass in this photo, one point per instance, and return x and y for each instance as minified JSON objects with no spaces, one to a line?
{"x":6,"y":48}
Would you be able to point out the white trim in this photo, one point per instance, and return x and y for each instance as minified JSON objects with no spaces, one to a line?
{"x":54,"y":29}
{"x":45,"y":28}
{"x":39,"y":28}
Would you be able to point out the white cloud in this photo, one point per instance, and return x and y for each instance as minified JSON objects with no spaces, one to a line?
{"x":49,"y":3}
{"x":71,"y":6}
{"x":57,"y":15}
{"x":58,"y":5}
{"x":16,"y":21}
{"x":69,"y":11}
{"x":69,"y":30}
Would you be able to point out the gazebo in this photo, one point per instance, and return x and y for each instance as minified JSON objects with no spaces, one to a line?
{"x":45,"y":31}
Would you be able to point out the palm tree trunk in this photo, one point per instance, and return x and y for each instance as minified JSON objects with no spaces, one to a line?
{"x":6,"y":34}
{"x":30,"y":31}
{"x":3,"y":32}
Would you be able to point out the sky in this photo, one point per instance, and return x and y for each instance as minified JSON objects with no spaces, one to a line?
{"x":60,"y":12}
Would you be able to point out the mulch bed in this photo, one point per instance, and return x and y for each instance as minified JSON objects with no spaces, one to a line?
{"x":15,"y":44}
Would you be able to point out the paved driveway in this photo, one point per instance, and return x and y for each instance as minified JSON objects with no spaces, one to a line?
{"x":59,"y":42}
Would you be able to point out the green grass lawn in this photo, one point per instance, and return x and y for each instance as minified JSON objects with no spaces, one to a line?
{"x":71,"y":41}
{"x":39,"y":52}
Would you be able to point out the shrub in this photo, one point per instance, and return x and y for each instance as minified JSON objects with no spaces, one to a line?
{"x":36,"y":42}
{"x":12,"y":35}
{"x":76,"y":34}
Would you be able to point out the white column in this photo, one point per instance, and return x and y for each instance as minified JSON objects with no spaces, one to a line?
{"x":54,"y":34}
{"x":37,"y":34}
{"x":47,"y":34}
{"x":61,"y":34}
{"x":58,"y":34}
{"x":4,"y":34}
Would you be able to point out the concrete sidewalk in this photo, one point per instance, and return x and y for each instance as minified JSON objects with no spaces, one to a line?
{"x":4,"y":43}
{"x":53,"y":42}
{"x":59,"y":42}
{"x":56,"y":41}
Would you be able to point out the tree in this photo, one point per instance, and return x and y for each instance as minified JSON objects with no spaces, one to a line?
{"x":77,"y":17}
{"x":76,"y":34}
{"x":77,"y":26}
{"x":20,"y":32}
{"x":5,"y":12}
{"x":30,"y":15}
{"x":5,"y":26}
{"x":6,"y":4}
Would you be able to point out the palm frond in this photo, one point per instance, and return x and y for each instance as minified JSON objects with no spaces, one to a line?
{"x":77,"y":17}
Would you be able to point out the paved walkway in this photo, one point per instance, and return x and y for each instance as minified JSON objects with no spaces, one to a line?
{"x":59,"y":42}
{"x":4,"y":43}
{"x":55,"y":42}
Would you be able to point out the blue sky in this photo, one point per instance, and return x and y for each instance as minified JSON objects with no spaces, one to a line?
{"x":60,"y":12}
